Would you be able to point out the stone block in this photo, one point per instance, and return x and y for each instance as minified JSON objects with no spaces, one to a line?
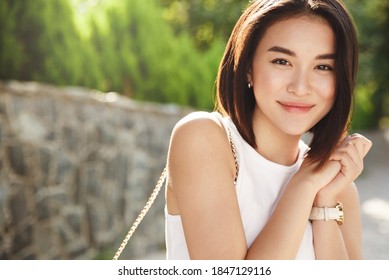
{"x":18,"y":204}
{"x":75,"y":217}
{"x":72,"y":139}
{"x":16,"y":158}
{"x":29,"y":128}
{"x":47,"y":109}
{"x":3,"y":203}
{"x":43,"y":238}
{"x":116,"y":169}
{"x":64,"y":166}
{"x":49,"y":202}
{"x":105,"y":135}
{"x":45,"y":158}
{"x":21,"y":240}
{"x":92,"y":181}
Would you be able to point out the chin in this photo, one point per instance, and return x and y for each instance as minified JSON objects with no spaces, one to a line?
{"x":296,"y":132}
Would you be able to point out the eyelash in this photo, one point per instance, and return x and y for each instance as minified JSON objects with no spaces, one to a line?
{"x":327,"y":67}
{"x":281,"y":61}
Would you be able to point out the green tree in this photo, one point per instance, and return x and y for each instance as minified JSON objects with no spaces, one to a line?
{"x":143,"y":58}
{"x":39,"y":41}
{"x":122,"y":46}
{"x":205,"y":20}
{"x":372,"y":91}
{"x":381,"y":96}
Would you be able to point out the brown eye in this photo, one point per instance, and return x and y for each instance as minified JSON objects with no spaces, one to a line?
{"x":325,"y":67}
{"x":280,"y":61}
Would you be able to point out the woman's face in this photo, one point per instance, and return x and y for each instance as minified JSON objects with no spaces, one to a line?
{"x":293,"y":75}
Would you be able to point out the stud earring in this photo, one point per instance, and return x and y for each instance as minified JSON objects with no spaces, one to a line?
{"x":249,"y":85}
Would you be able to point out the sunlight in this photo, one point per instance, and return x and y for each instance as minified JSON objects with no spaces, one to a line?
{"x":86,"y":10}
{"x":378,"y":209}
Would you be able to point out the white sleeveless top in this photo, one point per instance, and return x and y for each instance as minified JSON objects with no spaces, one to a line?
{"x":259,"y":185}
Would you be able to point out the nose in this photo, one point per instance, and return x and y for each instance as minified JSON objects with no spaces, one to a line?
{"x":299,"y":83}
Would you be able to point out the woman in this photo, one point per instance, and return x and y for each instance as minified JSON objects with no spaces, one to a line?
{"x":289,"y":68}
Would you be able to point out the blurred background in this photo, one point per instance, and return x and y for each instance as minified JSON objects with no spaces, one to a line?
{"x":168,"y":52}
{"x":161,"y":50}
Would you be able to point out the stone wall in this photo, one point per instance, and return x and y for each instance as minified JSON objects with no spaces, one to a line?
{"x":76,"y":166}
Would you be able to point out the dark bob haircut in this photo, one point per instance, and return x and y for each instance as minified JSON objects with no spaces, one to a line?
{"x":235,"y":99}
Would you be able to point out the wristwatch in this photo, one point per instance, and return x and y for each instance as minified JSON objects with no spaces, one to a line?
{"x":326,"y":214}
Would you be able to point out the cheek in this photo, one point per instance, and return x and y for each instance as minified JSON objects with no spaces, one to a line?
{"x":266,"y":81}
{"x":326,"y":89}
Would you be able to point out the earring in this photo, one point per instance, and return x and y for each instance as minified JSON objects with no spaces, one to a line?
{"x":249,"y":85}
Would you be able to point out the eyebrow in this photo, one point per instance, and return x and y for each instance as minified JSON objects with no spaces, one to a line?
{"x":292,"y":53}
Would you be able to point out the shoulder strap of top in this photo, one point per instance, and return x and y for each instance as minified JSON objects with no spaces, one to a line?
{"x":231,"y":141}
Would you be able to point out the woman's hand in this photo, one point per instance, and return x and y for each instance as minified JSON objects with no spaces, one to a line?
{"x":350,"y":153}
{"x":308,"y":175}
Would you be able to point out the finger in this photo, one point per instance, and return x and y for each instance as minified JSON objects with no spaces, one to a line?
{"x":362,"y":144}
{"x":352,"y":164}
{"x":344,"y":159}
{"x":351,"y":150}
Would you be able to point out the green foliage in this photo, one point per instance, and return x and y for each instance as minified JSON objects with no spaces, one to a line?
{"x":39,"y":42}
{"x":372,"y":91}
{"x":145,"y":60}
{"x":205,"y":20}
{"x":122,"y":46}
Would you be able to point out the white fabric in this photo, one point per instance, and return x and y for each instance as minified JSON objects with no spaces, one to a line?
{"x":259,"y":185}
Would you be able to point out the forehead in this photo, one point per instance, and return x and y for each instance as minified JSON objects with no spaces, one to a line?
{"x":303,"y":34}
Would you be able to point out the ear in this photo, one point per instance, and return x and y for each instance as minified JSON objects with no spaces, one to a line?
{"x":249,"y":77}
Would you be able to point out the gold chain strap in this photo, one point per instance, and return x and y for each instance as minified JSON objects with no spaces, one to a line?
{"x":154,"y":194}
{"x":234,"y":154}
{"x":142,"y":214}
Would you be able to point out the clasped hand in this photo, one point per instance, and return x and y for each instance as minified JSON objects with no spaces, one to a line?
{"x":349,"y":155}
{"x":343,"y":167}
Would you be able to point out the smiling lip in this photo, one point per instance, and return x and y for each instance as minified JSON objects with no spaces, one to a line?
{"x":296,"y":107}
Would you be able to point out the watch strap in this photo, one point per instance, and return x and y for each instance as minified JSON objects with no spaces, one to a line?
{"x":327,"y":213}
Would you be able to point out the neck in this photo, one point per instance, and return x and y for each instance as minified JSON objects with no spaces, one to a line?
{"x":274,"y":144}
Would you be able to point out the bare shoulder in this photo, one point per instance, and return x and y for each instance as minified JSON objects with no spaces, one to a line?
{"x":198,"y":122}
{"x":198,"y":130}
{"x":199,"y":146}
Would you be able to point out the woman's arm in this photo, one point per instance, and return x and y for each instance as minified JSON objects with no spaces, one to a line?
{"x":352,"y":226}
{"x":282,"y":235}
{"x":333,"y":241}
{"x":201,"y":189}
